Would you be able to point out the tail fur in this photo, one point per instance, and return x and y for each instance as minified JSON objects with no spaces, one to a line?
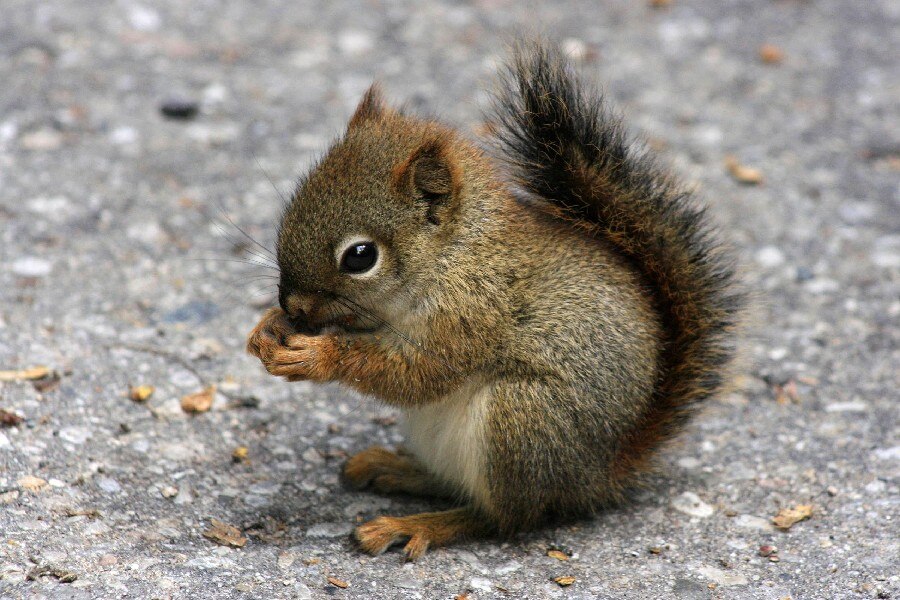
{"x":563,"y":145}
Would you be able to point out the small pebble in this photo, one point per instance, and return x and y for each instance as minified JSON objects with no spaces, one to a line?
{"x":330,"y":530}
{"x":803,"y":274}
{"x":851,"y":406}
{"x":354,"y":42}
{"x":690,"y":504}
{"x":177,"y":108}
{"x":42,"y":139}
{"x":481,"y":584}
{"x":770,"y":257}
{"x":107,"y":560}
{"x":109,"y":485}
{"x":31,"y":266}
{"x":752,"y":522}
{"x":32,"y":483}
{"x":771,"y":54}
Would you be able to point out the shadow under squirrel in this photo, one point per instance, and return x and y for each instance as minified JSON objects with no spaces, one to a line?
{"x":546,"y":319}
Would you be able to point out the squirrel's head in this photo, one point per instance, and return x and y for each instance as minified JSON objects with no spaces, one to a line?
{"x":372,"y":218}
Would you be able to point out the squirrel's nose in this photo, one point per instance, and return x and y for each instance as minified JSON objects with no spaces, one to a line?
{"x":298,"y":305}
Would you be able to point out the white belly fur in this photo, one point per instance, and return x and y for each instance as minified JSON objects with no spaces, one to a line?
{"x":449,"y":438}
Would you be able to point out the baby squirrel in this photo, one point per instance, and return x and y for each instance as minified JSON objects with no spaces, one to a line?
{"x":545,"y":319}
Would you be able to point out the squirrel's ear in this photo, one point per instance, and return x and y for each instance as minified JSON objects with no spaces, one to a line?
{"x":431,"y":176}
{"x":370,"y":107}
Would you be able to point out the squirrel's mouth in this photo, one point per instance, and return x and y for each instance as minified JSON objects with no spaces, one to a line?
{"x":349,"y":322}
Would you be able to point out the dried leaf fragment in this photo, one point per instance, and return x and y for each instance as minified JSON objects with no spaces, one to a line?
{"x":240,"y":454}
{"x":742,"y":173}
{"x":61,"y":574}
{"x":32,"y":483}
{"x":787,"y":393}
{"x":338,"y":583}
{"x":25,"y":374}
{"x":771,"y":54}
{"x":91,"y":513}
{"x":224,"y":534}
{"x":786,"y":517}
{"x":9,"y":418}
{"x":564,"y":581}
{"x":141,"y":393}
{"x":557,"y":554}
{"x":199,"y":402}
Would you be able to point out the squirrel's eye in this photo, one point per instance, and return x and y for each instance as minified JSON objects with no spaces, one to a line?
{"x":359,"y":257}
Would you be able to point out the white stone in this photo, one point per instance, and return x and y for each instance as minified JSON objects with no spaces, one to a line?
{"x":144,"y":19}
{"x":770,"y":257}
{"x":311,"y":455}
{"x":213,"y":135}
{"x":690,"y":504}
{"x":688,"y":462}
{"x":49,"y":205}
{"x":215,"y":93}
{"x":31,"y":266}
{"x":184,"y":495}
{"x":109,"y":485}
{"x":752,"y":522}
{"x":886,"y":252}
{"x":42,"y":139}
{"x":876,"y":486}
{"x":721,"y":577}
{"x":178,"y":451}
{"x":286,"y":559}
{"x":822,"y":285}
{"x":148,"y":232}
{"x":74,"y":434}
{"x":892,"y":453}
{"x":329,"y":530}
{"x":508,"y":567}
{"x":482,"y":584}
{"x":124,"y":135}
{"x":855,"y":405}
{"x":355,"y":41}
{"x":8,"y":131}
{"x":778,"y":353}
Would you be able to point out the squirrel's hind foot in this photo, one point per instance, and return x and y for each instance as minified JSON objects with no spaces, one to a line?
{"x":389,"y":472}
{"x":423,"y":531}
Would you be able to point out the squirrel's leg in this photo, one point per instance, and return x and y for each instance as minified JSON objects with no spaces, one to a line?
{"x":390,"y":472}
{"x":423,"y":531}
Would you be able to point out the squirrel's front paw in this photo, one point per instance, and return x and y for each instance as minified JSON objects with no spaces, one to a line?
{"x":299,"y":357}
{"x":287,"y":354}
{"x":274,"y":325}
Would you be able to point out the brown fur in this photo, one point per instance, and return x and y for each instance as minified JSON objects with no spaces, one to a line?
{"x":589,"y":315}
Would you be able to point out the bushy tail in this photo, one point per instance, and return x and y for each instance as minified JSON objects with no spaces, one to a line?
{"x":565,"y":147}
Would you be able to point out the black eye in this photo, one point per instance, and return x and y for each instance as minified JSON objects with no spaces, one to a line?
{"x":360,"y":257}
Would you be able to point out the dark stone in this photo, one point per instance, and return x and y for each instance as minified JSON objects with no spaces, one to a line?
{"x":176,"y":108}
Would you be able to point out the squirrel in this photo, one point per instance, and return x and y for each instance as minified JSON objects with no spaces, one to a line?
{"x":545,"y":315}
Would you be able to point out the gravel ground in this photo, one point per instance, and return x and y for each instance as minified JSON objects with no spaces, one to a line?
{"x":119,"y":267}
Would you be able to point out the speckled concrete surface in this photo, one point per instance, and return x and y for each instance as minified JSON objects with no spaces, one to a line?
{"x":118,"y":267}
